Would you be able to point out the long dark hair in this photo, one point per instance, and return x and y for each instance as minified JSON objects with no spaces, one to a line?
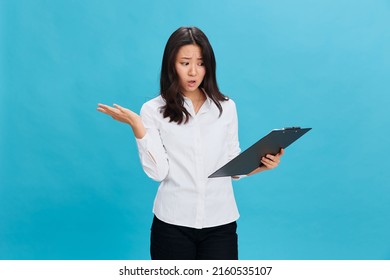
{"x":169,"y":82}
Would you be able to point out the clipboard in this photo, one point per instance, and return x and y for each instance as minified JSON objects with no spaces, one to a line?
{"x":249,"y":159}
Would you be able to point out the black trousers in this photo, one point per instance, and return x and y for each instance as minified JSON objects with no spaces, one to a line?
{"x":171,"y":242}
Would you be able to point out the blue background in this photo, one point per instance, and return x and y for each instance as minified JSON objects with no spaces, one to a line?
{"x":71,"y":185}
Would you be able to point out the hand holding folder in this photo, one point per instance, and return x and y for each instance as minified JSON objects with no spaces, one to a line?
{"x":249,"y":160}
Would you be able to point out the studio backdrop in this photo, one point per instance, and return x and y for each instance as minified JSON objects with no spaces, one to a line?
{"x":71,"y":183}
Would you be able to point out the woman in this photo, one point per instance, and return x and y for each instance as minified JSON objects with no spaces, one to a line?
{"x":183,"y":135}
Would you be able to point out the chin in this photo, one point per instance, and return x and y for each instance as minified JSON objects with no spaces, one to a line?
{"x":192,"y":89}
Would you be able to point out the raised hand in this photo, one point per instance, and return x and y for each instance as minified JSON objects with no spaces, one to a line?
{"x":124,"y":115}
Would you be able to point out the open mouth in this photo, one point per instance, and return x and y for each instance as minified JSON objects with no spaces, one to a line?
{"x":191,"y":83}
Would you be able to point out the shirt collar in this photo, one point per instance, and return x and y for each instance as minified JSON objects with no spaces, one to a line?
{"x":205,"y":107}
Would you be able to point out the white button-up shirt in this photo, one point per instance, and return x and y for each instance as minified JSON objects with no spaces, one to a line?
{"x":181,"y":157}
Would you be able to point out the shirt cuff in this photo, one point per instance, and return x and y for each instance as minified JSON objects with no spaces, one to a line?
{"x":142,"y":142}
{"x":239,"y":177}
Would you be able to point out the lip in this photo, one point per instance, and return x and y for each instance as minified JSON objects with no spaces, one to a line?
{"x":191,"y":83}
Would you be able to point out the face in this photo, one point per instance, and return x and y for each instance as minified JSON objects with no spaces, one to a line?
{"x":190,"y":68}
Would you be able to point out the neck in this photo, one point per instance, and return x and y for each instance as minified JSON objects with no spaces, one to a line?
{"x":195,"y":96}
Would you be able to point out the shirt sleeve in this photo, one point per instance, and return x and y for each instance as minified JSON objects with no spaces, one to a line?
{"x":151,"y":150}
{"x":234,"y":145}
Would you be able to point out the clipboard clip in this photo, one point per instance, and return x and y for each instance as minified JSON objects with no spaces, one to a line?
{"x":296,"y":128}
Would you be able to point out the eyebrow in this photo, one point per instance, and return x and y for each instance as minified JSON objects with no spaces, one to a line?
{"x":184,"y":57}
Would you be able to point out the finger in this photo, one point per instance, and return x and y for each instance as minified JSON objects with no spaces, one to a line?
{"x":269,"y":156}
{"x":123,"y":110}
{"x":268,"y":164}
{"x":281,"y":152}
{"x":273,"y":158}
{"x":267,"y":161}
{"x":108,"y":110}
{"x":102,"y":105}
{"x":120,"y":108}
{"x":102,"y":109}
{"x":105,"y":107}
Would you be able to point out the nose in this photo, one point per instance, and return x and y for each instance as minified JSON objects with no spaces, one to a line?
{"x":192,"y":71}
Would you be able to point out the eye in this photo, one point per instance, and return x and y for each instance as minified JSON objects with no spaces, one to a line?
{"x":201,"y":63}
{"x":184,"y":63}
